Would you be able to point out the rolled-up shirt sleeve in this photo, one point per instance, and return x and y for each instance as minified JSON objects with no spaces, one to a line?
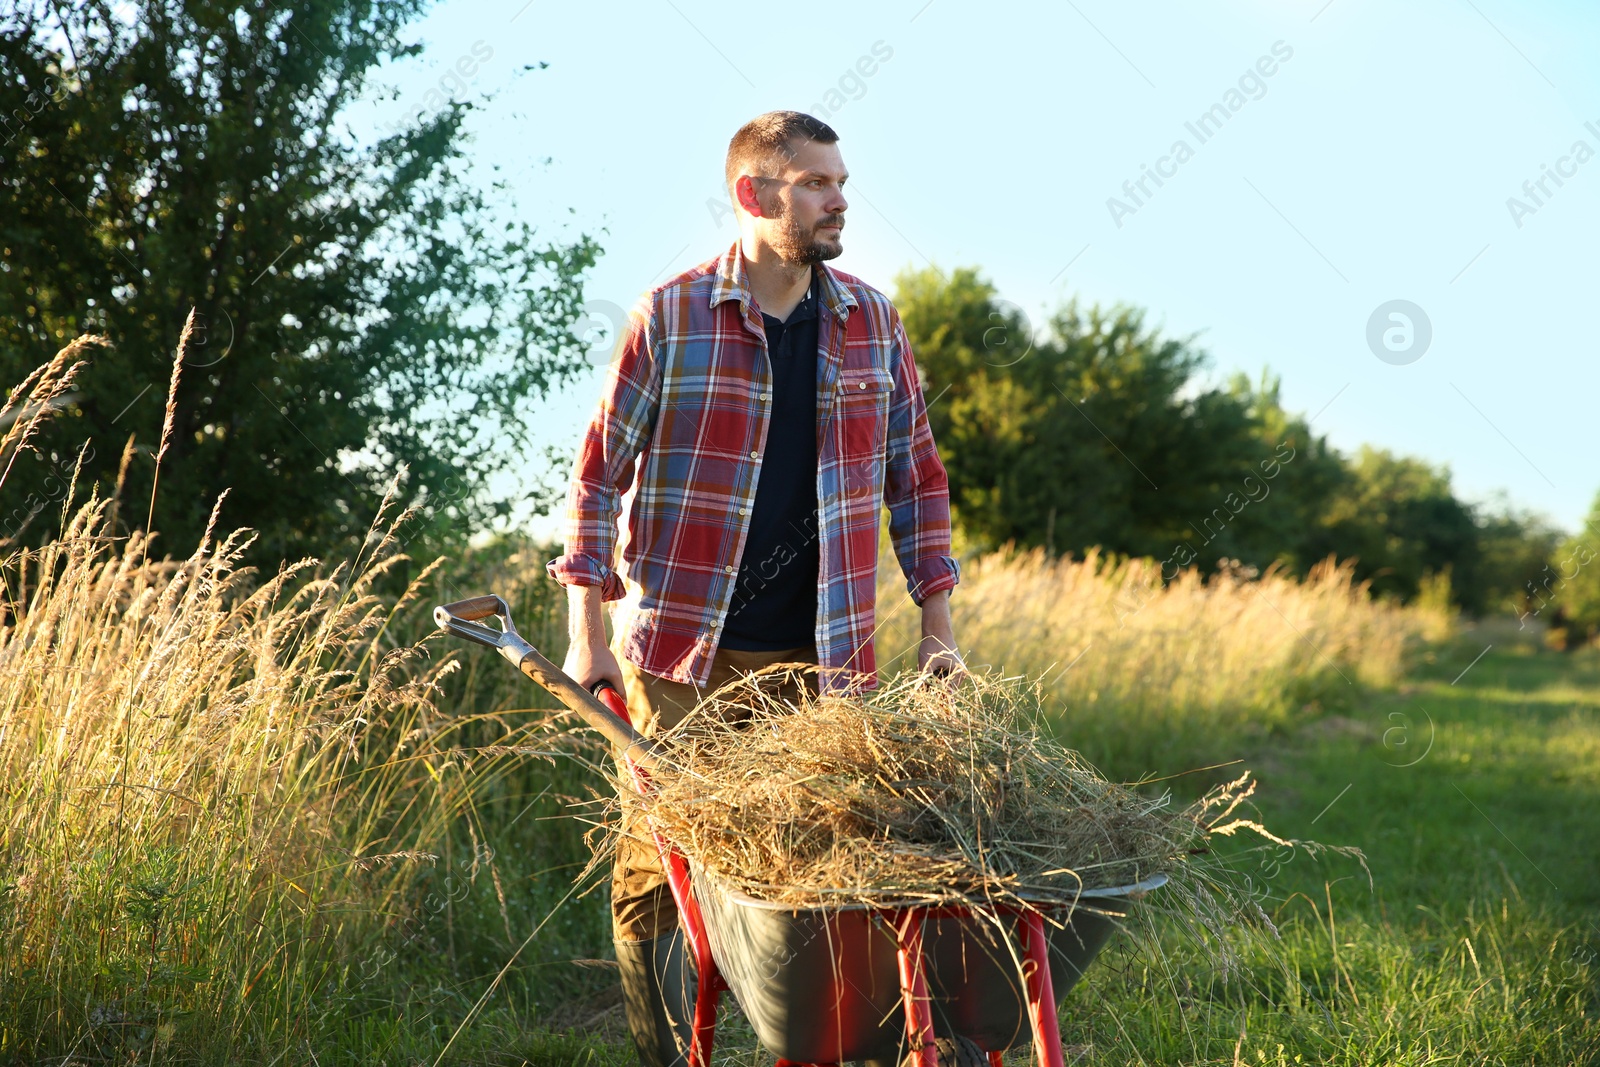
{"x":915,"y":486}
{"x":604,"y":469}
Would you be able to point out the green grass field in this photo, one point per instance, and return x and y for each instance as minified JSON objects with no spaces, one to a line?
{"x":1474,"y":801}
{"x":1472,"y":791}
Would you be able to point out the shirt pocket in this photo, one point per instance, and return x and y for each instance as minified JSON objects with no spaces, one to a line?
{"x":862,"y":421}
{"x":863,"y":412}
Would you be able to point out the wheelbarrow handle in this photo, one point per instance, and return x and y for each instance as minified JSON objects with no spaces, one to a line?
{"x":612,"y":698}
{"x":462,"y":619}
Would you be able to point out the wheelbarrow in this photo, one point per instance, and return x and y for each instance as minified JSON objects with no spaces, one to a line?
{"x":821,"y":986}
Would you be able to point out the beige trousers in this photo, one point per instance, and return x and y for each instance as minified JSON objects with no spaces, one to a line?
{"x":641,"y":903}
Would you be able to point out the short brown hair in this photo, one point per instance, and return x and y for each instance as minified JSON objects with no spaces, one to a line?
{"x":765,"y":138}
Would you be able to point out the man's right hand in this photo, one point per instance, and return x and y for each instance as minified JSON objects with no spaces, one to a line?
{"x":590,"y":664}
{"x":589,"y":658}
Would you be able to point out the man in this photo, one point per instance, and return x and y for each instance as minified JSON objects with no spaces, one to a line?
{"x":760,"y":412}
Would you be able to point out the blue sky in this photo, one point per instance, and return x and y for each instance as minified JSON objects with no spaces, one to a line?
{"x":1373,"y":163}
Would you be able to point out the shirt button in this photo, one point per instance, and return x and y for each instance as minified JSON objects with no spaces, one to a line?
{"x":863,"y":385}
{"x":766,"y":396}
{"x":744,"y":511}
{"x":727,"y":570}
{"x":755,"y":455}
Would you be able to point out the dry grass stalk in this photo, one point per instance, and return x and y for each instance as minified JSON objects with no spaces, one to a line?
{"x":38,"y":398}
{"x":169,"y":419}
{"x":122,"y":480}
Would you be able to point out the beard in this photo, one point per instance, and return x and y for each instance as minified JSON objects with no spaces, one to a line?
{"x":801,"y":245}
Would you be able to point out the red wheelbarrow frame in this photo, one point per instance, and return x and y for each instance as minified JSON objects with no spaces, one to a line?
{"x":607,"y":711}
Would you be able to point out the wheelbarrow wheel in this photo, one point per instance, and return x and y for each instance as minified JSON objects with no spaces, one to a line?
{"x":955,"y":1051}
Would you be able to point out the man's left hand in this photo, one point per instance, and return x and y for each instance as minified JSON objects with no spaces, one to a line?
{"x":938,"y":652}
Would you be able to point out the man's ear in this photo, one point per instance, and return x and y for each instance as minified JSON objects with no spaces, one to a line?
{"x":745,"y":190}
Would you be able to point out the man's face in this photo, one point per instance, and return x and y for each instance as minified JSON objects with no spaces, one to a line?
{"x":802,"y":209}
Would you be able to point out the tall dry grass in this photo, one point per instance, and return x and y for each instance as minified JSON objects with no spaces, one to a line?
{"x":218,"y":791}
{"x":201,"y":775}
{"x":1145,"y":676}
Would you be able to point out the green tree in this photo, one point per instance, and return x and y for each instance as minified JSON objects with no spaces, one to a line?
{"x":1516,"y":547}
{"x":1282,"y":529}
{"x":1091,"y":431}
{"x":1571,"y":580}
{"x":1398,"y":517}
{"x":361,"y":308}
{"x":1096,"y":430}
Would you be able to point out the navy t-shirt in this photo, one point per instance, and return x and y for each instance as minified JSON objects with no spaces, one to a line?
{"x":774,"y":602}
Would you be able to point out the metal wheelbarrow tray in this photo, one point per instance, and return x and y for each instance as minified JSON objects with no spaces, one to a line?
{"x":825,"y":985}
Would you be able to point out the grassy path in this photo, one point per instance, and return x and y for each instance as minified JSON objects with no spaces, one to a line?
{"x":1475,"y":793}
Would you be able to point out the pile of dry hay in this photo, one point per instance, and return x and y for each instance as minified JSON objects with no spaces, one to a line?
{"x":915,"y":793}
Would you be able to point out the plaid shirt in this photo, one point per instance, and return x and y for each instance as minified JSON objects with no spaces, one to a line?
{"x":675,"y":449}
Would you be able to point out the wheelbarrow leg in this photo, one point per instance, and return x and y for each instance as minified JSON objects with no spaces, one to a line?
{"x":1041,"y":991}
{"x":914,"y":991}
{"x":711,"y":985}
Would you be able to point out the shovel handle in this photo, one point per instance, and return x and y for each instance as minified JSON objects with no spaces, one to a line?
{"x":616,"y":729}
{"x":476,"y":607}
{"x":460,"y":619}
